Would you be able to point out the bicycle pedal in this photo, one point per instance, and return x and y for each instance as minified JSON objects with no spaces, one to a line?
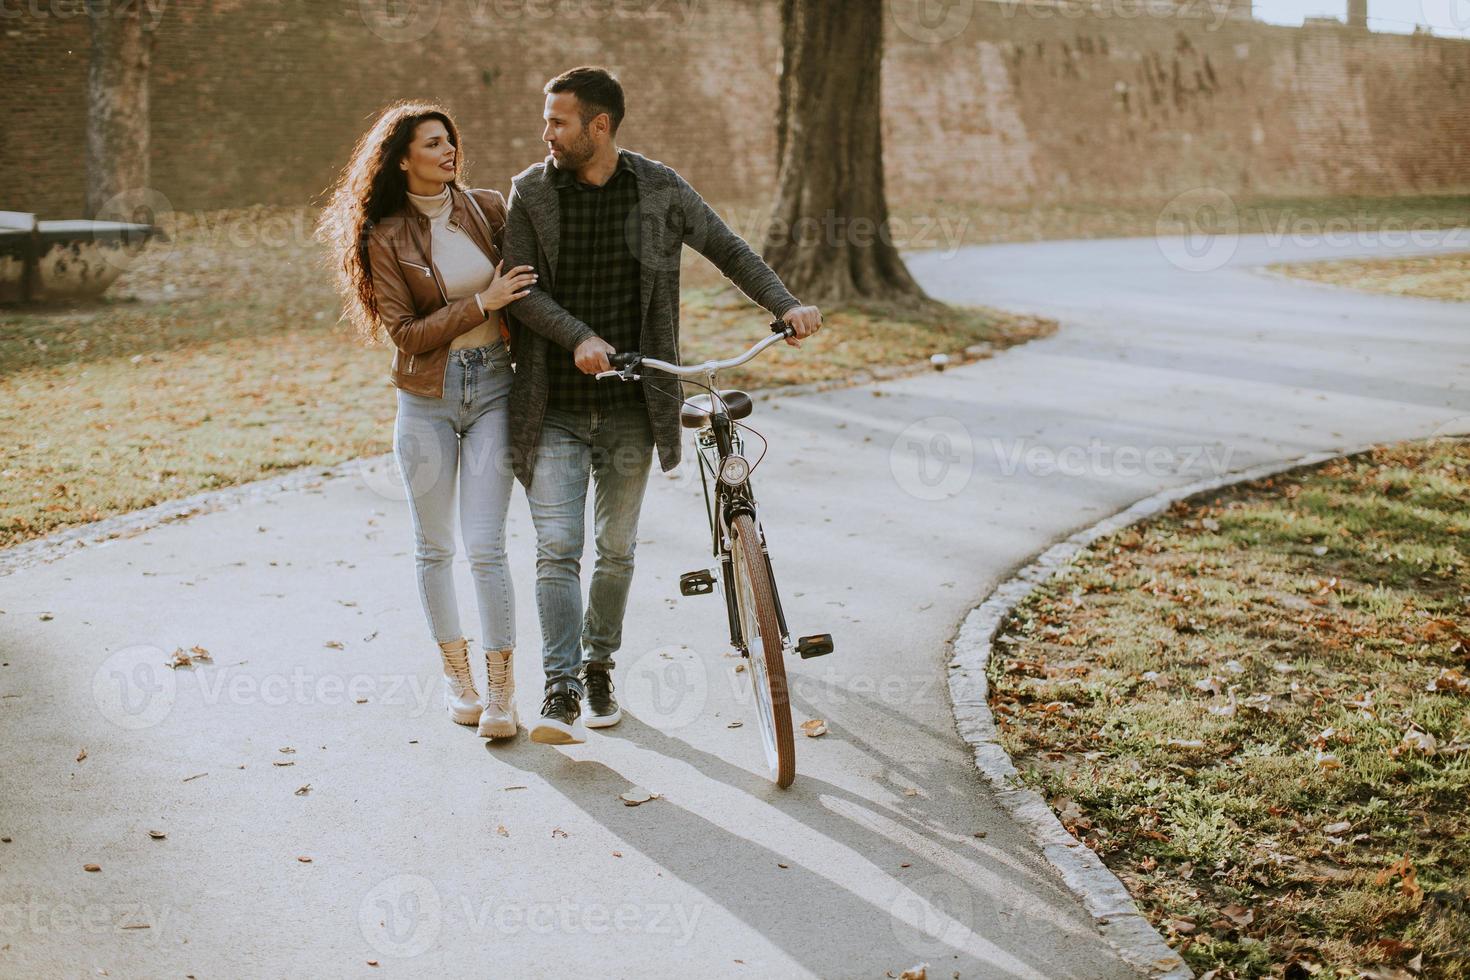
{"x":817,"y":645}
{"x":696,"y":583}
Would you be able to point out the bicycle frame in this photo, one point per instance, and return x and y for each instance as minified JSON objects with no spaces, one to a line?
{"x":716,"y":441}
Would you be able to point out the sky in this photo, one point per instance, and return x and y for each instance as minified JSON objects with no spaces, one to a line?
{"x":1447,"y":18}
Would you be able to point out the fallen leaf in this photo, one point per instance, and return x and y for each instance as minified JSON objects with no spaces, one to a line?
{"x":82,"y":754}
{"x":91,"y":867}
{"x":1416,"y":741}
{"x":1451,"y":680}
{"x":1186,"y":743}
{"x":919,"y":971}
{"x":284,"y":762}
{"x":302,"y":791}
{"x":157,"y":834}
{"x":1239,"y":915}
{"x":636,"y":796}
{"x":735,"y":724}
{"x":502,"y":831}
{"x":558,"y":832}
{"x":334,"y":645}
{"x":303,"y":859}
{"x":814,"y":727}
{"x":1338,"y":828}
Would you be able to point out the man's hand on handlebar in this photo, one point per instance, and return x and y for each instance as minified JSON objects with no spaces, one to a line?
{"x":803,"y":321}
{"x":591,"y":355}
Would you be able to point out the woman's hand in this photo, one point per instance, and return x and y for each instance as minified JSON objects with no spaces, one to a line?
{"x":506,"y":288}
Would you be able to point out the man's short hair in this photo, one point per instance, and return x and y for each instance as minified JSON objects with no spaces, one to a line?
{"x":597,"y":90}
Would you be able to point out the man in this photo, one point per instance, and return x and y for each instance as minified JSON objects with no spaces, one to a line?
{"x":603,"y":228}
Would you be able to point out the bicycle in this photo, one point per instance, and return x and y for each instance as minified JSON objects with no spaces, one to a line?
{"x":738,"y":541}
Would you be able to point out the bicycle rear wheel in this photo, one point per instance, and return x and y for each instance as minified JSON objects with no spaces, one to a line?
{"x":756,"y":602}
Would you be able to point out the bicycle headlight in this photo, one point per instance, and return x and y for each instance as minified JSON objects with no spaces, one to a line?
{"x":734,"y":470}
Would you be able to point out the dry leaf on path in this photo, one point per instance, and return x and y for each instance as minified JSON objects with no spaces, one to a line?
{"x":814,"y":727}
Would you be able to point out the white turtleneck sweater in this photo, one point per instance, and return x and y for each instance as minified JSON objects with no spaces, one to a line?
{"x":464,"y":269}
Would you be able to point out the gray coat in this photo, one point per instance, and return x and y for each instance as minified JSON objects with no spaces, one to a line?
{"x":671,"y":215}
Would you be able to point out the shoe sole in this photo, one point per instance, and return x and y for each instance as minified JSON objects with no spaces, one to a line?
{"x":500,"y":730}
{"x":604,"y":721}
{"x":549,"y":732}
{"x":465,"y":719}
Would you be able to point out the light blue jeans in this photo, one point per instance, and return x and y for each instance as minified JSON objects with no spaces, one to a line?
{"x":614,"y":448}
{"x":459,"y":445}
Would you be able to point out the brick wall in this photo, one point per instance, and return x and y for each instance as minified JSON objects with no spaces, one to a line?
{"x":259,"y":101}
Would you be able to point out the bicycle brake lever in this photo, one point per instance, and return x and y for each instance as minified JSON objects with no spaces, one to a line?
{"x":608,"y":374}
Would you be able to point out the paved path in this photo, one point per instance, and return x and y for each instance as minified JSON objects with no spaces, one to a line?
{"x":893,"y":509}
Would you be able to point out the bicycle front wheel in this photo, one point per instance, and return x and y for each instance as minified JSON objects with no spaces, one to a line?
{"x":755,"y":600}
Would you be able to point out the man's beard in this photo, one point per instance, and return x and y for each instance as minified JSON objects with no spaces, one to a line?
{"x":576,"y":155}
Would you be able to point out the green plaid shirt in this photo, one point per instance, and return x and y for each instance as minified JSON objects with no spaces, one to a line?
{"x":597,"y":281}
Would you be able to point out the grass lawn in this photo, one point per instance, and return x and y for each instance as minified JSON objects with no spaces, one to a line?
{"x":1432,"y":276}
{"x":218,"y":359}
{"x":1256,"y":710}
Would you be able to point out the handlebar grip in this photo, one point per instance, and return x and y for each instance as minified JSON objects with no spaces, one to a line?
{"x":622,"y":361}
{"x":779,"y":326}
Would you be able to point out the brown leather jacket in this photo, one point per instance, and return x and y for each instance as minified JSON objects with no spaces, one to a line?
{"x":412,"y":305}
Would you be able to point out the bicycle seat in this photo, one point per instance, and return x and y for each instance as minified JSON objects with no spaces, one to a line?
{"x":696,"y":410}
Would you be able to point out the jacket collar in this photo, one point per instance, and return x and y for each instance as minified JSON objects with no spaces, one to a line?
{"x":462,"y":214}
{"x":537,"y":190}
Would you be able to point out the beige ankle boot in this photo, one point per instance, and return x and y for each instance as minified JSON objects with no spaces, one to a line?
{"x":460,"y":695}
{"x":499,"y":719}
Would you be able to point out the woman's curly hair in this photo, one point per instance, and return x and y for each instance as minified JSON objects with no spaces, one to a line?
{"x":371,"y":187}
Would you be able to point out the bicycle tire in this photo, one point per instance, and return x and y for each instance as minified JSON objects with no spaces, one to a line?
{"x":756,"y":602}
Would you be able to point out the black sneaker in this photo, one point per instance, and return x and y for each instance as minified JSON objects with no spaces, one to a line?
{"x":561,"y":718}
{"x":602,"y":707}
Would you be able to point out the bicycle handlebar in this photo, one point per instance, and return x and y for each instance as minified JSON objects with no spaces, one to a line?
{"x":624,"y":363}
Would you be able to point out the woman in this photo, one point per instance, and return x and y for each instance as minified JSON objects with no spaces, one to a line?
{"x":417,"y":257}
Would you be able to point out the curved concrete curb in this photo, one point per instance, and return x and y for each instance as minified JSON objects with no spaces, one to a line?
{"x":1099,"y":890}
{"x":62,"y":543}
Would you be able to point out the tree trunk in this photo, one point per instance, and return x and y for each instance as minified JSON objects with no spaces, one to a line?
{"x":117,"y":105}
{"x":829,"y":236}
